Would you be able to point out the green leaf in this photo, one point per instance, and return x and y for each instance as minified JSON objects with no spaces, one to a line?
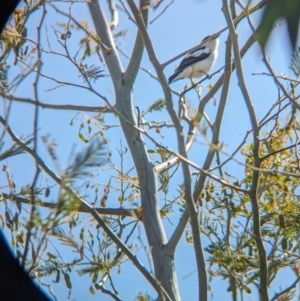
{"x":275,"y":9}
{"x":47,"y":192}
{"x":50,"y":255}
{"x":95,"y":277}
{"x":87,"y":50}
{"x":81,"y":137}
{"x":92,"y":291}
{"x":158,"y":105}
{"x":67,"y":280}
{"x":81,"y":236}
{"x":284,"y":244}
{"x":91,"y":156}
{"x":91,"y":73}
{"x":281,"y":221}
{"x":150,"y":151}
{"x":295,"y":63}
{"x":57,"y":279}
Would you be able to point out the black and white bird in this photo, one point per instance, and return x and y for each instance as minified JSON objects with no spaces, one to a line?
{"x":197,"y":63}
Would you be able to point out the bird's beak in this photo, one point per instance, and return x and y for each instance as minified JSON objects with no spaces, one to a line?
{"x":216,"y":36}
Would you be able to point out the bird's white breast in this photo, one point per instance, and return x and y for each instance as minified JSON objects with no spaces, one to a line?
{"x":202,"y":68}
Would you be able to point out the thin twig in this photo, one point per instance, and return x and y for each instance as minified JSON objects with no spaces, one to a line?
{"x":278,"y":76}
{"x":107,"y":292}
{"x":35,"y":142}
{"x":136,"y":213}
{"x":43,"y":105}
{"x":293,"y":285}
{"x":162,"y":12}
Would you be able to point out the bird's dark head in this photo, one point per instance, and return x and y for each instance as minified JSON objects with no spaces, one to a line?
{"x":212,"y":42}
{"x":210,"y":38}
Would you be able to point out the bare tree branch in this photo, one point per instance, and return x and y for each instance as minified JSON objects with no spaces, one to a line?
{"x":138,"y":49}
{"x":202,"y":280}
{"x":293,"y":285}
{"x":257,"y":161}
{"x":136,"y":213}
{"x":114,"y":14}
{"x":151,"y":218}
{"x":43,"y":105}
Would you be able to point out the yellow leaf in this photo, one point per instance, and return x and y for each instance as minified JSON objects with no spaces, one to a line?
{"x":81,"y":137}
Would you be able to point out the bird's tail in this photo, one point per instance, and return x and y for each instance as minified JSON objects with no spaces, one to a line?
{"x":173,"y":78}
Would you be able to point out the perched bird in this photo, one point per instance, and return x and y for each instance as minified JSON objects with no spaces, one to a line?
{"x":198,"y":62}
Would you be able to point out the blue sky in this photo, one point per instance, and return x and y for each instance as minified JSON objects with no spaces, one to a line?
{"x":181,"y":27}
